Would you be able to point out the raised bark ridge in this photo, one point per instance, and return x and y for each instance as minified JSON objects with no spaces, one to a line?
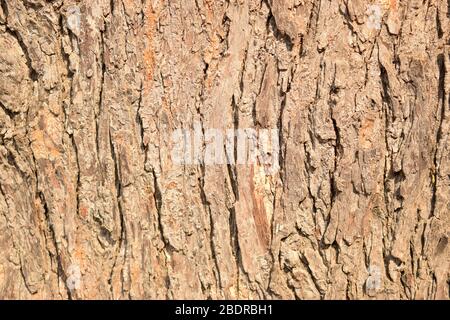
{"x":93,"y":206}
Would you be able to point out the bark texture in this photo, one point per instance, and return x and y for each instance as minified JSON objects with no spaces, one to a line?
{"x":92,"y":205}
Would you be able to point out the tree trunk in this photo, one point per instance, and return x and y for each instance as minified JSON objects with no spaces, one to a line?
{"x":354,"y":200}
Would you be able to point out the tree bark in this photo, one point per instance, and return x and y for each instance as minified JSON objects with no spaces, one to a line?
{"x":93,"y":205}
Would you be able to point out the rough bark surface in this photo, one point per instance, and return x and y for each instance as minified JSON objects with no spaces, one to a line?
{"x":92,"y":205}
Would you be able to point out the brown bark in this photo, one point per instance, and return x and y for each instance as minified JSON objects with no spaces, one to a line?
{"x":92,"y":204}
